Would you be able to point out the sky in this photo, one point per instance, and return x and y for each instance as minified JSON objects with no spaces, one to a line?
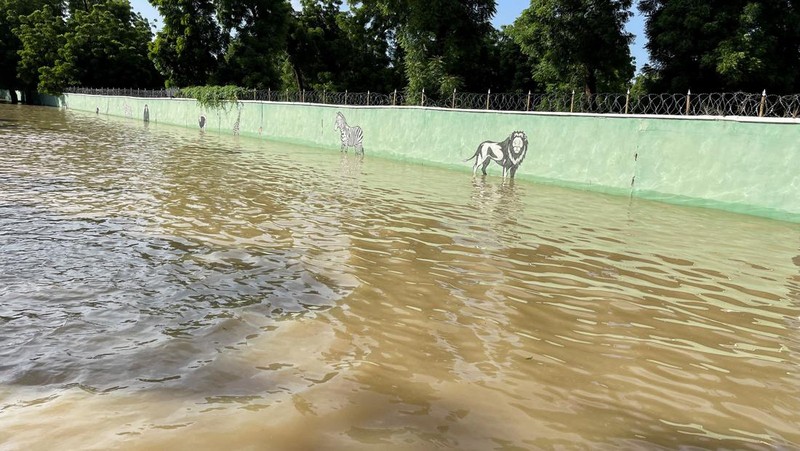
{"x":507,"y":12}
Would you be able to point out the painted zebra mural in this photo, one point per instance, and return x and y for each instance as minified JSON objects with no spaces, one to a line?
{"x":238,"y":121}
{"x":351,"y":136}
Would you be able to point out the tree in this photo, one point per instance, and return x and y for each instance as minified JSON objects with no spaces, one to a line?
{"x":188,"y":48}
{"x":74,"y":6}
{"x":577,"y":43}
{"x":255,"y":32}
{"x":723,"y":45}
{"x":511,"y":70}
{"x":317,"y":46}
{"x":335,"y":50}
{"x":11,"y":13}
{"x":105,"y":45}
{"x":442,"y":41}
{"x":41,"y":35}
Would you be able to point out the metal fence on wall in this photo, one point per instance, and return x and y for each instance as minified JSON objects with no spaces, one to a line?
{"x":689,"y":104}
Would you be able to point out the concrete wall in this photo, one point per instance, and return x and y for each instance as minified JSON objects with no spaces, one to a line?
{"x":738,"y":164}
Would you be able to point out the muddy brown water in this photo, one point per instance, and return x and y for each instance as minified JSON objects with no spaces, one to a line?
{"x":164,"y":288}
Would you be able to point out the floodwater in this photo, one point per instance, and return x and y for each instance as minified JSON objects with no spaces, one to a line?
{"x":162,"y":288}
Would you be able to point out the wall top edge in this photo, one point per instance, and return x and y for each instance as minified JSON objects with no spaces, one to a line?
{"x":745,"y":119}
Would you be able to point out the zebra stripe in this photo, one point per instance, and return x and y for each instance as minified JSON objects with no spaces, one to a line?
{"x":238,"y":120}
{"x":351,"y":136}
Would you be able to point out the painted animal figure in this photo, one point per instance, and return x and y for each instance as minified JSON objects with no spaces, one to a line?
{"x":508,"y":154}
{"x":238,"y":121}
{"x":351,"y":136}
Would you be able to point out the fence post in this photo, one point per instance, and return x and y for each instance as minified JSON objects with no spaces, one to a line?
{"x":763,"y":103}
{"x":345,"y":97}
{"x":324,"y":96}
{"x":488,"y":95}
{"x":454,"y":99}
{"x":688,"y":101}
{"x":269,"y":94}
{"x":423,"y":97}
{"x":287,"y":94}
{"x":627,"y":100}
{"x":368,"y":97}
{"x":572,"y":102}
{"x":303,"y":96}
{"x":394,"y":98}
{"x":528,"y":102}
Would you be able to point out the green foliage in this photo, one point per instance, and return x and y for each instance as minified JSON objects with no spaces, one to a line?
{"x":255,"y":33}
{"x":382,"y":45}
{"x":315,"y":46}
{"x":107,"y":46}
{"x":443,"y":42}
{"x":188,"y":48}
{"x":334,"y":50}
{"x":508,"y":68}
{"x":642,"y":82}
{"x":99,"y":43}
{"x":221,"y":41}
{"x":577,"y":44}
{"x":723,"y":45}
{"x":214,"y":97}
{"x":41,"y":35}
{"x":12,"y":13}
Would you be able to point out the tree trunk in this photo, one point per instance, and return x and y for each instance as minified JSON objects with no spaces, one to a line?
{"x":13,"y":93}
{"x":590,"y":84}
{"x":590,"y":88}
{"x":298,"y":78}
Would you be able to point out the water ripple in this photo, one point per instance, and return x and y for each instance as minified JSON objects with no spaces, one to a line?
{"x":204,"y":283}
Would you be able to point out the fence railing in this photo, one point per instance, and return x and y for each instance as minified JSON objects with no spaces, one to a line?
{"x":689,"y":104}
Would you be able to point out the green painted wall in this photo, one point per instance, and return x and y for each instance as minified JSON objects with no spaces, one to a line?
{"x":749,"y":166}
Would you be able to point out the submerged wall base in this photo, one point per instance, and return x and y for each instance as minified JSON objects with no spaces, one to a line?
{"x":736,"y":164}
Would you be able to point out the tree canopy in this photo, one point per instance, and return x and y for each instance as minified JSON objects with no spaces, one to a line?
{"x":577,"y":43}
{"x":723,"y":45}
{"x":188,"y":49}
{"x":382,"y":45}
{"x":53,"y":44}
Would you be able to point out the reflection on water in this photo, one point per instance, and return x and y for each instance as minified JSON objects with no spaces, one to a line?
{"x":162,"y":287}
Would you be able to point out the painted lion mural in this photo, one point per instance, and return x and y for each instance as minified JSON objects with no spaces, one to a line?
{"x":508,"y":154}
